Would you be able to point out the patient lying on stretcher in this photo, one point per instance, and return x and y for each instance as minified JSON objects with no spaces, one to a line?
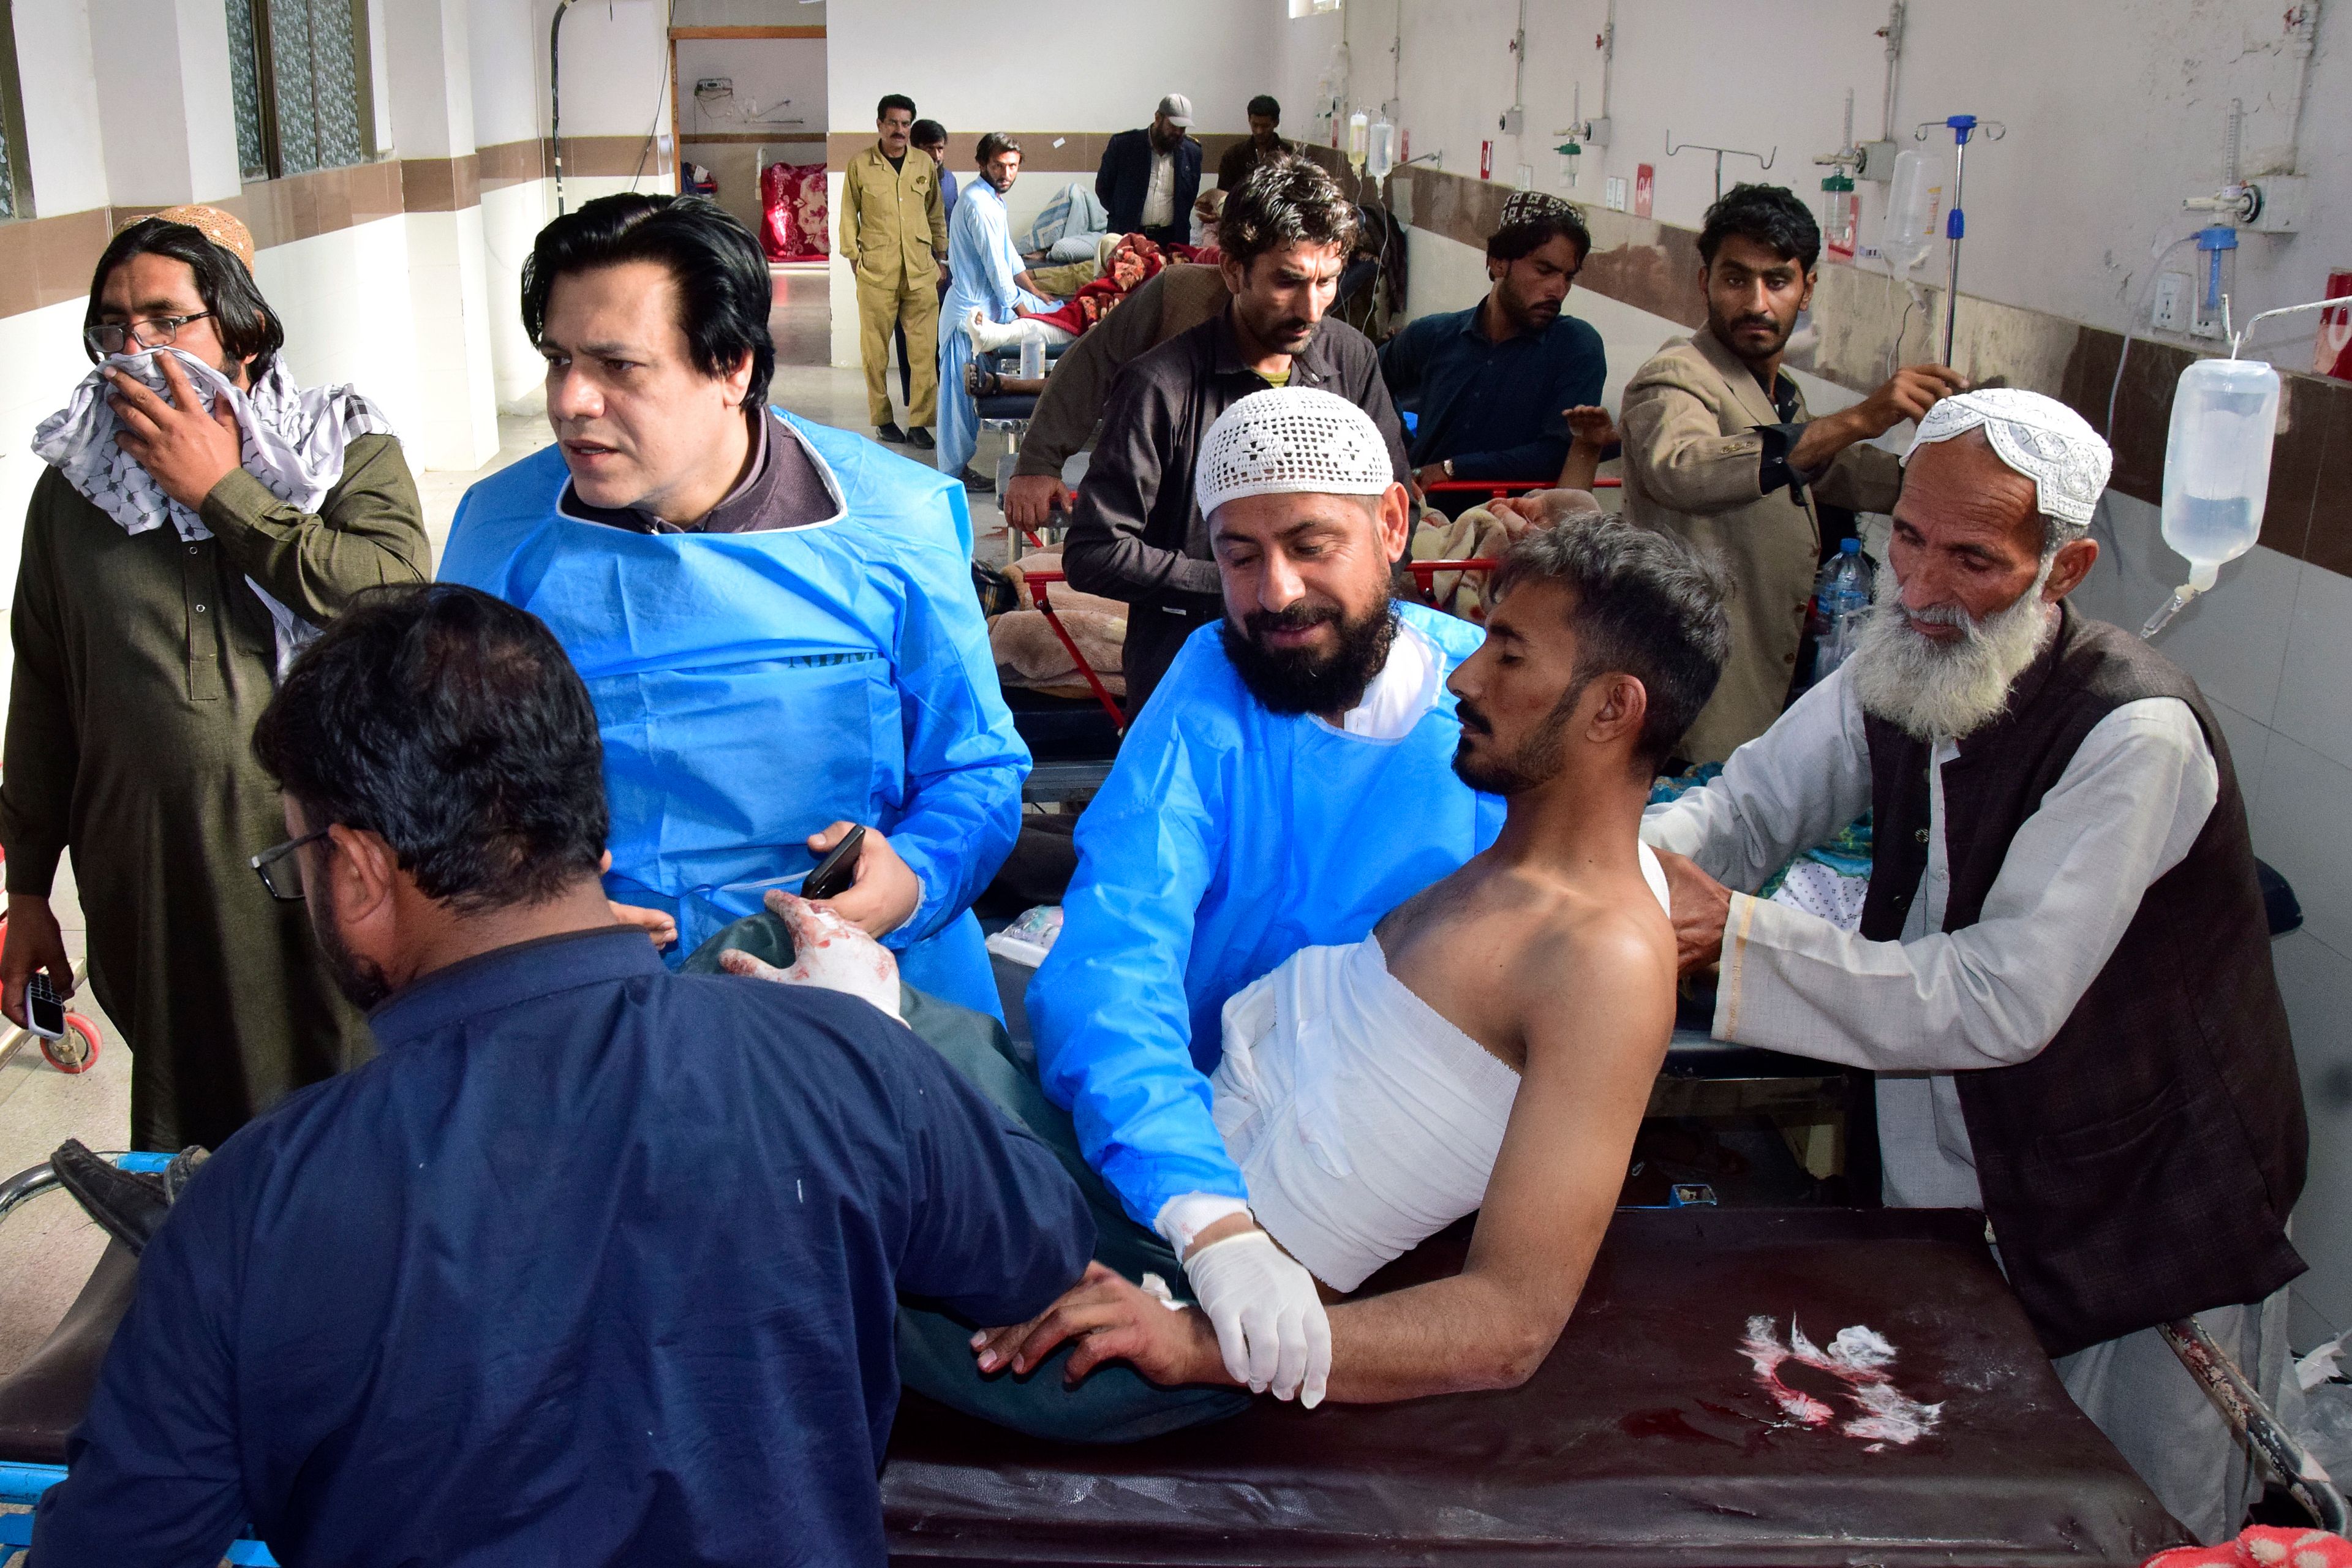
{"x":1491,"y":1046}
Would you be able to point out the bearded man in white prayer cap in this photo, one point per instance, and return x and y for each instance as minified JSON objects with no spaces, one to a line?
{"x":1261,"y":1092}
{"x":2063,"y":973}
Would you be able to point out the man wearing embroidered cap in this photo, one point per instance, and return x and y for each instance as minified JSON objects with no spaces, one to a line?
{"x":1494,"y":385}
{"x":1230,"y":876}
{"x":1253,"y":813}
{"x":2063,"y":971}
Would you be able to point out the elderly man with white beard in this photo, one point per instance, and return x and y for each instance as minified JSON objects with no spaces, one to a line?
{"x":2063,"y":976}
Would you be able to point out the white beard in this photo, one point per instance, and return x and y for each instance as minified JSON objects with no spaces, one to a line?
{"x":1935,"y":690}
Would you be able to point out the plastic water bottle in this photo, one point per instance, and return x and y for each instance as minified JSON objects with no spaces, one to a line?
{"x":1033,"y":355}
{"x":1841,"y":602}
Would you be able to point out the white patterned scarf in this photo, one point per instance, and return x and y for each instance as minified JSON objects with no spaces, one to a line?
{"x":293,"y":442}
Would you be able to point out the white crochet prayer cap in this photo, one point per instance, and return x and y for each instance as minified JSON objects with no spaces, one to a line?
{"x":1291,"y":440}
{"x":2039,"y":437}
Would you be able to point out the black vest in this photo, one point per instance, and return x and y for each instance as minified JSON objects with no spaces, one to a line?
{"x":2142,"y":1166}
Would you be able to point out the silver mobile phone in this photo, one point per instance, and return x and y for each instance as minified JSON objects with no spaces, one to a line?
{"x":45,"y":1011}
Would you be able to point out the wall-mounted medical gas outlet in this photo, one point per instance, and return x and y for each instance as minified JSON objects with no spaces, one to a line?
{"x":2173,"y":290}
{"x":1512,"y":120}
{"x":2282,"y":204}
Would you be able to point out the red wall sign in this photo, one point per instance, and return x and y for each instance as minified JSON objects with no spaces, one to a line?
{"x":1645,"y":181}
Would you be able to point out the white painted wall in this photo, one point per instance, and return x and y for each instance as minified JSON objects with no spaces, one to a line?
{"x":2115,"y":114}
{"x":425,"y":73}
{"x":509,"y":39}
{"x":977,"y":65}
{"x":168,"y":122}
{"x":779,"y":87}
{"x":63,"y":140}
{"x":615,"y":77}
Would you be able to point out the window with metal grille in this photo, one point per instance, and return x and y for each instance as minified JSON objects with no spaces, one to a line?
{"x":16,"y":174}
{"x":298,"y":77}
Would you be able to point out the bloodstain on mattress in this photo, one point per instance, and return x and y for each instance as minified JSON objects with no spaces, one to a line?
{"x":1862,"y":1360}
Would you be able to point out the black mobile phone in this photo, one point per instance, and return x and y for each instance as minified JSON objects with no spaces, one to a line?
{"x":45,"y":1012}
{"x":836,"y":872}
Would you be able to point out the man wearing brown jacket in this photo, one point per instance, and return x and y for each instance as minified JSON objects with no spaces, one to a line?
{"x":1721,"y":452}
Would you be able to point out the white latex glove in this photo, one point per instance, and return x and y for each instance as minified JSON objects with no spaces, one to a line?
{"x":1270,"y":1323}
{"x":829,"y":951}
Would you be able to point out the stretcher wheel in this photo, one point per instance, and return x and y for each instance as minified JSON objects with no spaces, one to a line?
{"x":78,"y":1050}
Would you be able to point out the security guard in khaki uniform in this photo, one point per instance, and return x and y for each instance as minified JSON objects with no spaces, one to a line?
{"x":1721,"y":453}
{"x":894,"y":231}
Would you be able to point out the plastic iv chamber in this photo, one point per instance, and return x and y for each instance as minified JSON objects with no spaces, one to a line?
{"x":2217,"y":469}
{"x":1915,"y":197}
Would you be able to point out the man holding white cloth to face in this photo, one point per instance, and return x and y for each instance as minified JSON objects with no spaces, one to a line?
{"x":2063,"y":973}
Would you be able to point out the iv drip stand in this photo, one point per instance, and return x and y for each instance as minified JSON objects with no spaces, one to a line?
{"x":1764,"y":159}
{"x":1956,"y":223}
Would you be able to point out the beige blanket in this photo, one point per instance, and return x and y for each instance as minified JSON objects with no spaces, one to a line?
{"x":1027,"y":652}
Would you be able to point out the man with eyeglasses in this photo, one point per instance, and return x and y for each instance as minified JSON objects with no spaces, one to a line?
{"x":200,"y":518}
{"x":595,"y":1263}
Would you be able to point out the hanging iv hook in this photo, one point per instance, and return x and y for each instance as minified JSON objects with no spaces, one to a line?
{"x":1762,"y":158}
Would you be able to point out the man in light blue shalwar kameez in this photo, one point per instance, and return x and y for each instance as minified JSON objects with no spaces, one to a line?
{"x":774,"y":619}
{"x":987,"y":274}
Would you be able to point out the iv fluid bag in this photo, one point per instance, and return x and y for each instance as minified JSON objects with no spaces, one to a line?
{"x":1381,"y":157}
{"x":2217,"y":458}
{"x":1913,"y":198}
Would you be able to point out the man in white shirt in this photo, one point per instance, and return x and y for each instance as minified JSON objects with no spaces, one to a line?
{"x":2063,"y":973}
{"x":1150,"y":175}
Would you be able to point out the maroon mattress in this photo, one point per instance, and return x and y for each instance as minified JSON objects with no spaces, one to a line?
{"x":1648,"y":1437}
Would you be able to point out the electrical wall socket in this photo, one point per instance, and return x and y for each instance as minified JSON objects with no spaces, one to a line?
{"x":1612,"y":193}
{"x":2172,"y":295}
{"x":715,"y":84}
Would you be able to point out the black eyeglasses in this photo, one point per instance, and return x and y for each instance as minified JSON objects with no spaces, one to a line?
{"x":152,"y":333}
{"x":281,"y":869}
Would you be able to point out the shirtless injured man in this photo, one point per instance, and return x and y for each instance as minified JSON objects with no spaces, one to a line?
{"x":1489,"y":1047}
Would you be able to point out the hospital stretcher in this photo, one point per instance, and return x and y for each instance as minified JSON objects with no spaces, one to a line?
{"x":1652,"y":1435}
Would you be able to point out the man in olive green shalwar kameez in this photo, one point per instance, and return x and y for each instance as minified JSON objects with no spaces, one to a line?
{"x":142,"y":662}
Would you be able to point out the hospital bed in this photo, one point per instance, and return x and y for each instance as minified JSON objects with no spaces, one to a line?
{"x":1660,"y":1432}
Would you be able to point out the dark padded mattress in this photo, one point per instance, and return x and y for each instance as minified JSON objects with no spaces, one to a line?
{"x":1647,"y":1437}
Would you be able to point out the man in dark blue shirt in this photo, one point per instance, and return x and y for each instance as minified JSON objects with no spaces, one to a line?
{"x":1492,"y":384}
{"x":594,"y":1263}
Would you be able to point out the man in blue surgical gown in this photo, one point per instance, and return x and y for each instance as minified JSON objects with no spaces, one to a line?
{"x":1289,"y":783}
{"x":986,"y":274}
{"x":775,"y":619}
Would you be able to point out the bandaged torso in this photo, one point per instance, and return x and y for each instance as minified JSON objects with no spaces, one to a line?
{"x":1363,"y":1120}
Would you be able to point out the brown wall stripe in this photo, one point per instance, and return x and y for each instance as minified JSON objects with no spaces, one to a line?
{"x":1654,"y":266}
{"x":1081,"y":152}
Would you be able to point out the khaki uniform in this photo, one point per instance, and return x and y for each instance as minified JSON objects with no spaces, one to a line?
{"x":1694,"y":469}
{"x":894,"y":230}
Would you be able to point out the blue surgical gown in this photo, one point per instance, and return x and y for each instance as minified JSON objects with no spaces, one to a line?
{"x":1226,"y":838}
{"x":981,"y":266}
{"x":752,"y":688}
